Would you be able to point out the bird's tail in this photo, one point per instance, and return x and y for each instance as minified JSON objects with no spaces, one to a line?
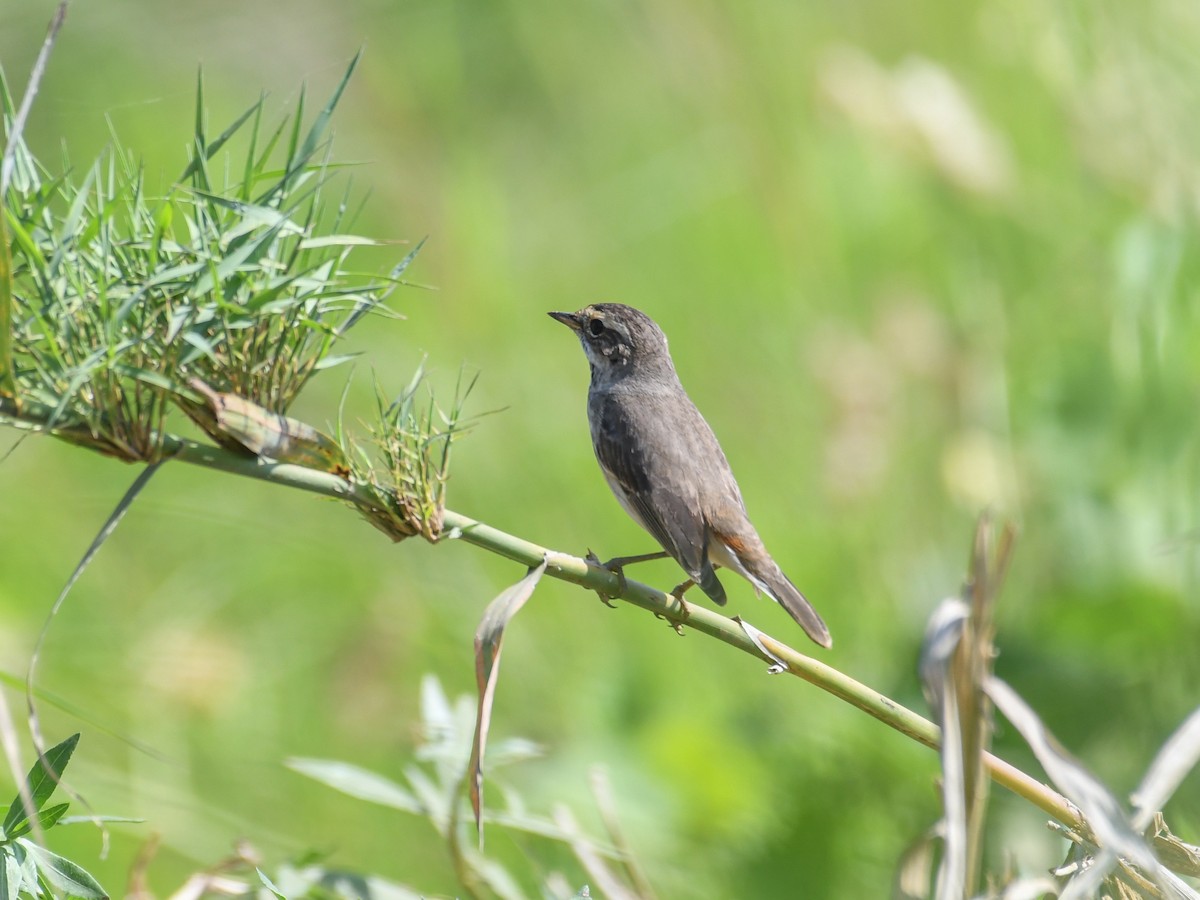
{"x":770,"y":578}
{"x":709,"y":583}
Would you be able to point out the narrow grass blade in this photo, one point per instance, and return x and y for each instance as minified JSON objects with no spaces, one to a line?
{"x":1175,"y":759}
{"x":70,"y":225}
{"x":8,"y":383}
{"x":942,"y":634}
{"x":1100,"y":809}
{"x":943,"y":638}
{"x":357,"y":782}
{"x":8,"y":741}
{"x":103,"y":535}
{"x":606,"y":805}
{"x":366,"y":306}
{"x":211,"y":148}
{"x":92,"y":820}
{"x":31,"y":89}
{"x":13,"y":143}
{"x":321,"y":123}
{"x":596,"y":867}
{"x":969,"y":668}
{"x":198,"y":167}
{"x":269,"y":884}
{"x":249,"y":252}
{"x":488,"y":644}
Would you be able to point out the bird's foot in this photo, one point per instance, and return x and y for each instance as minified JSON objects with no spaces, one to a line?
{"x":685,"y":610}
{"x":607,"y":599}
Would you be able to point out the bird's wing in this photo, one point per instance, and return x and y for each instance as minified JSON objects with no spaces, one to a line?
{"x":658,"y":503}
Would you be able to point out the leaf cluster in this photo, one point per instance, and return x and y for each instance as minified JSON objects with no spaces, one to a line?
{"x":1113,"y":851}
{"x":26,"y":867}
{"x":222,"y":295}
{"x":238,"y":274}
{"x":434,"y":788}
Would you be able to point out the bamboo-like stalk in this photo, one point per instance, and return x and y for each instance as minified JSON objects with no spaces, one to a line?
{"x":588,"y":575}
{"x":580,"y":571}
{"x":592,"y":577}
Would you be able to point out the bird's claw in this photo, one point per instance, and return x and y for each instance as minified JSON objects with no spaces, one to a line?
{"x":685,"y":611}
{"x":677,"y":627}
{"x":607,"y":599}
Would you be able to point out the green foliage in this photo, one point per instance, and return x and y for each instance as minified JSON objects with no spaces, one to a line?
{"x":410,"y":457}
{"x":224,"y":297}
{"x":882,"y":347}
{"x":26,"y":867}
{"x":237,"y":275}
{"x":435,"y":791}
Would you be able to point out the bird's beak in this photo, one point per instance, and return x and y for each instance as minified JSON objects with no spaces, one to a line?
{"x":572,"y":320}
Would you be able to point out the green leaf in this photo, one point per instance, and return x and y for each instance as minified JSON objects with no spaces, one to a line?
{"x":162,"y":227}
{"x":321,"y":123}
{"x":357,"y":782}
{"x":43,"y":778}
{"x":8,"y":384}
{"x":46,"y":818}
{"x":247,"y":252}
{"x":294,"y":139}
{"x":51,"y":815}
{"x":29,"y":874}
{"x":211,"y":148}
{"x":146,"y":377}
{"x":338,"y":240}
{"x":25,"y":242}
{"x":489,"y":641}
{"x":329,"y":362}
{"x":266,"y":882}
{"x":92,"y":820}
{"x":64,"y":875}
{"x":248,"y":172}
{"x":198,"y":167}
{"x":11,"y":877}
{"x":70,"y":225}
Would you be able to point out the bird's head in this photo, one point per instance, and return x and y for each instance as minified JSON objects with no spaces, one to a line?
{"x":618,"y":340}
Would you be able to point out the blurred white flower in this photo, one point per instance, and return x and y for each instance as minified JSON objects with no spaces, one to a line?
{"x":921,"y":111}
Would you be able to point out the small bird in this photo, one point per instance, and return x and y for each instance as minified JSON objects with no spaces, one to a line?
{"x":663,"y":462}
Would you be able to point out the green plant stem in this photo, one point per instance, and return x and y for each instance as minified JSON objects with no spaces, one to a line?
{"x":8,"y":384}
{"x":591,"y":576}
{"x":581,"y":572}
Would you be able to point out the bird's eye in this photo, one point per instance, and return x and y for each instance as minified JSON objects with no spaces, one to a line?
{"x":595,"y":328}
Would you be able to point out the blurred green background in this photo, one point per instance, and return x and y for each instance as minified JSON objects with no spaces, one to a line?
{"x":914,"y":260}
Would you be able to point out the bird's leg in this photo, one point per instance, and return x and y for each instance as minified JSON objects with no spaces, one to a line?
{"x":680,"y":589}
{"x":617,"y":564}
{"x":677,"y":592}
